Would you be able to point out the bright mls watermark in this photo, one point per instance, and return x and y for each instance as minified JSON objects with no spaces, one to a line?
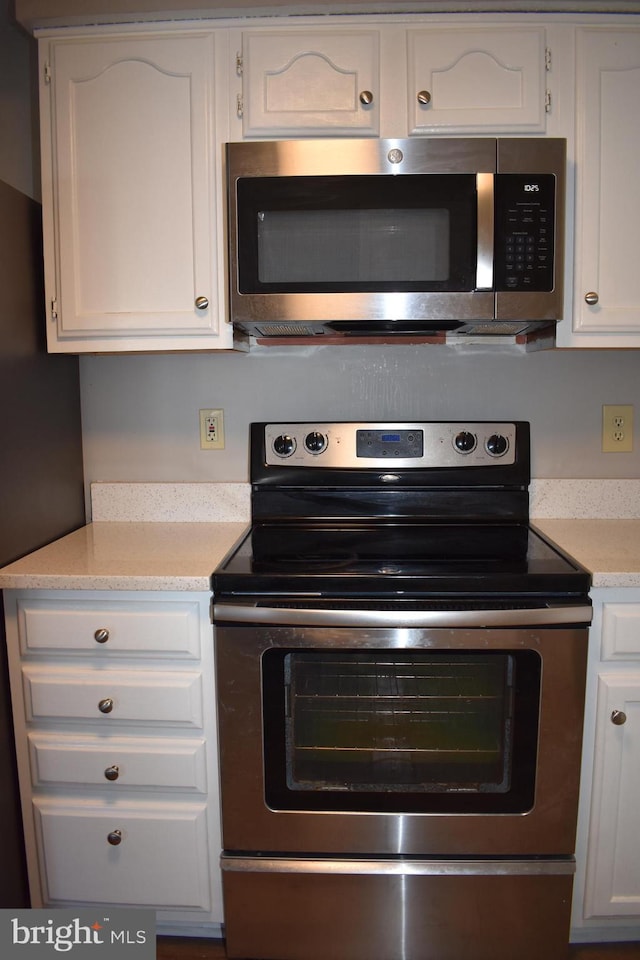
{"x":79,"y":934}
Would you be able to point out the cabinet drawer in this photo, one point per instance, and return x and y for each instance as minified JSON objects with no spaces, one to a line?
{"x":162,"y":628}
{"x":621,"y":631}
{"x":161,"y":856}
{"x":111,"y":696}
{"x":117,"y":762}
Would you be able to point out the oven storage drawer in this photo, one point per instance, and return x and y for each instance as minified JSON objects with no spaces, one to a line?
{"x":113,"y":695}
{"x":445,"y":910}
{"x":150,"y":628}
{"x":117,"y":763}
{"x":123,"y":852}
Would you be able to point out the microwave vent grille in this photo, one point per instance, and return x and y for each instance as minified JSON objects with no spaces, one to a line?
{"x":497,"y":328}
{"x":285,"y":330}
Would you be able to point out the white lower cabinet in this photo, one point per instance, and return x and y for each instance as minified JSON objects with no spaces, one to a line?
{"x":607,"y":890}
{"x":114,"y":715}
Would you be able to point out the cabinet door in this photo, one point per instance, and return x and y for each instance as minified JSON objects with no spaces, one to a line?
{"x":132,"y":193}
{"x":476,"y":79}
{"x":310,"y":82}
{"x":613,"y":879}
{"x":607,"y":291}
{"x":152,"y":854}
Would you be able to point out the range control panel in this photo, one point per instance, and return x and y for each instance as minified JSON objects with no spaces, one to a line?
{"x":383,"y":445}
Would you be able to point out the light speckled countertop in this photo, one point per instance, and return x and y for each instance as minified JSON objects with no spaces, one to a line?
{"x":108,"y":555}
{"x":172,"y":536}
{"x":609,"y":549}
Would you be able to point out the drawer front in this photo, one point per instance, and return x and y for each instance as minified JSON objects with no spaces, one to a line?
{"x":621,"y":631}
{"x":117,"y":763}
{"x":145,"y":854}
{"x":161,"y":628}
{"x":112,"y":696}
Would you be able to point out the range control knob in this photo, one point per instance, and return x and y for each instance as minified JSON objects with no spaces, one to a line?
{"x":315,"y":442}
{"x":497,"y":445}
{"x":284,"y":445}
{"x":465,"y":442}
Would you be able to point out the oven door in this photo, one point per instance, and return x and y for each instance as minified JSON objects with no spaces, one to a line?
{"x":383,"y":741}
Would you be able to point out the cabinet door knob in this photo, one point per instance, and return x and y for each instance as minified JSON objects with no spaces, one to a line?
{"x":424,"y":97}
{"x":202,"y":303}
{"x":366,"y":97}
{"x":106,"y":705}
{"x":591,"y":298}
{"x":618,"y":717}
{"x":101,"y":635}
{"x":112,"y":773}
{"x":114,"y":838}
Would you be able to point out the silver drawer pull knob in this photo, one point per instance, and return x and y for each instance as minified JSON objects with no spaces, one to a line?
{"x":366,"y":97}
{"x":106,"y":705}
{"x":101,"y":635}
{"x":112,"y":773}
{"x":591,"y":298}
{"x":424,"y":97}
{"x":115,"y":837}
{"x":618,"y":717}
{"x":202,"y":303}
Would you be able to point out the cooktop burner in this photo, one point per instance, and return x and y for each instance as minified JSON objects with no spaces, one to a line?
{"x":411,"y":509}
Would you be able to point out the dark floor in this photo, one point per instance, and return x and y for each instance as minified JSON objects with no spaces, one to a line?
{"x":172,"y":948}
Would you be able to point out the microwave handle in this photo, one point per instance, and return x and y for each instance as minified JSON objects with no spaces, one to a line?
{"x":484,"y":263}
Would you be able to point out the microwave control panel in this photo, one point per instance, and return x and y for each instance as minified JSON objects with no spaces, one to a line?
{"x":524,"y":231}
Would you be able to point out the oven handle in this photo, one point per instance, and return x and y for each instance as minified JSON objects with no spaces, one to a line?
{"x":440,"y":868}
{"x":550,"y":615}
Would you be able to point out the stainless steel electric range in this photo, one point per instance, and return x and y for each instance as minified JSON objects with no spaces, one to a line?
{"x":400,"y":678}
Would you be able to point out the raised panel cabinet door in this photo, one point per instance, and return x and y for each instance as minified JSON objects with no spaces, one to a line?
{"x":133,"y":187}
{"x":613,"y":878}
{"x":310,"y":82}
{"x":151,"y":854}
{"x":607,"y":291}
{"x":476,"y":80}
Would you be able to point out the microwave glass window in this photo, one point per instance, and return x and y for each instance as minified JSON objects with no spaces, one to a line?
{"x":312,"y":246}
{"x":357,"y":234}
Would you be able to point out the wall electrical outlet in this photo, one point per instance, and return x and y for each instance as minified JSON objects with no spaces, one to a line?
{"x":617,"y":428}
{"x":211,"y":430}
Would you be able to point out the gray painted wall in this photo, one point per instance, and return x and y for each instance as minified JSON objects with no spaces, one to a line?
{"x":140,"y":414}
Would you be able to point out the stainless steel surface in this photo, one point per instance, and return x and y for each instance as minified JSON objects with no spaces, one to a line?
{"x":424,"y":867}
{"x":309,"y":314}
{"x":247,"y":612}
{"x":591,"y":298}
{"x":366,"y":98}
{"x":313,"y":915}
{"x":202,"y":303}
{"x":618,"y":717}
{"x":438,"y":442}
{"x":101,"y":635}
{"x":484,"y":264}
{"x":424,"y":97}
{"x":547,"y":829}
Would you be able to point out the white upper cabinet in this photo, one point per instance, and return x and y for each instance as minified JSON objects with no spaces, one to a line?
{"x":607,"y":241}
{"x":309,"y":83}
{"x":392,"y":81}
{"x":130,"y":194}
{"x":477,"y":80}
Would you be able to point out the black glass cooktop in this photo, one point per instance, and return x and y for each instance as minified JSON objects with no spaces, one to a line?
{"x":394,"y":558}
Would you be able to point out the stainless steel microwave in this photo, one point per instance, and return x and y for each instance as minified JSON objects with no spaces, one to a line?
{"x":395,"y":237}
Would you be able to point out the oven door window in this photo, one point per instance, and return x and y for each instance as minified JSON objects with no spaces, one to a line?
{"x":357,"y":234}
{"x":395,"y":731}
